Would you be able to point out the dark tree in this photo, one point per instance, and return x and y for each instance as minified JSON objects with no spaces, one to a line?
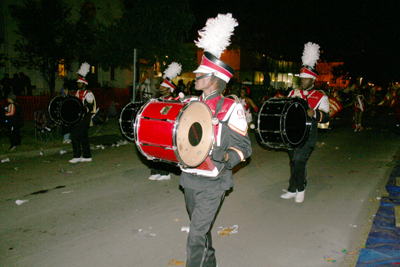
{"x":157,"y":29}
{"x":46,"y":36}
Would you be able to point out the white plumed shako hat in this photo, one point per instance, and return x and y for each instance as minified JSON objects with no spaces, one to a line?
{"x":173,"y":70}
{"x":83,"y":71}
{"x":214,"y":39}
{"x":309,"y":59}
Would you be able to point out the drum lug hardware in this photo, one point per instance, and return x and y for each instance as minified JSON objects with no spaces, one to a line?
{"x":215,"y":121}
{"x":165,"y":110}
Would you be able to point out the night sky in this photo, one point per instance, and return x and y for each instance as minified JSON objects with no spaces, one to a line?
{"x":363,"y":34}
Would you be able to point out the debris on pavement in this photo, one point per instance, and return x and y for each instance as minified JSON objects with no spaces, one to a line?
{"x":63,"y":152}
{"x":329,"y":259}
{"x":5,"y":160}
{"x":353,"y":225}
{"x":176,"y":263}
{"x":228,"y":231}
{"x":143,"y":233}
{"x":19,"y":202}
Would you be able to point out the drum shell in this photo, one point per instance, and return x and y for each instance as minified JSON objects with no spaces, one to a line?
{"x":284,"y":123}
{"x":154,"y":128}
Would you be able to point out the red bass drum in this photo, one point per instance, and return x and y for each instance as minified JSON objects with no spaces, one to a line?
{"x":174,"y":132}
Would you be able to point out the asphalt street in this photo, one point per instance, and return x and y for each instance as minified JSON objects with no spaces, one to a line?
{"x":107,"y":212}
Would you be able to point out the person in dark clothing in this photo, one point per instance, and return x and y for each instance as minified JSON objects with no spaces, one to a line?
{"x":205,"y":187}
{"x":13,"y":116}
{"x":160,"y":171}
{"x":6,"y":85}
{"x":26,"y":83}
{"x":318,"y":111}
{"x":17,"y":86}
{"x":79,"y":132}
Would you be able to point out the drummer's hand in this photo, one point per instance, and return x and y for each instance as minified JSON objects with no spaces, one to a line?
{"x":218,"y":154}
{"x":310,"y":113}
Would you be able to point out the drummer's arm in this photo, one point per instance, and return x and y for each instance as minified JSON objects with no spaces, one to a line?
{"x":89,"y":103}
{"x":250,"y":101}
{"x":322,"y":113}
{"x":241,"y":145}
{"x":239,"y":151}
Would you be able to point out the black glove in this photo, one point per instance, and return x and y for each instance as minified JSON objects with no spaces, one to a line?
{"x":218,"y":154}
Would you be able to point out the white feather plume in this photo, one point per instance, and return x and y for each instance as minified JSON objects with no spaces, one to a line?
{"x":84,"y":69}
{"x":310,"y":54}
{"x":173,"y":70}
{"x":215,"y":36}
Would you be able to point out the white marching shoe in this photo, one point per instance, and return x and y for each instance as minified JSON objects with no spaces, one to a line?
{"x":164,"y":177}
{"x":288,"y":195}
{"x":300,"y":196}
{"x":154,"y":176}
{"x":86,"y":159}
{"x":75,"y":160}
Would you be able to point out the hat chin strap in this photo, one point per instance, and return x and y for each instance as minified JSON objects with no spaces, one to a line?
{"x":162,"y":91}
{"x":203,"y":76}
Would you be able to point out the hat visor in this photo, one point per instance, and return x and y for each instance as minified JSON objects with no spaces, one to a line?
{"x":306,"y":75}
{"x":204,"y":69}
{"x":80,"y":81}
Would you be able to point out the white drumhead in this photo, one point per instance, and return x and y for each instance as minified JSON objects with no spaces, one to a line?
{"x":194,"y":134}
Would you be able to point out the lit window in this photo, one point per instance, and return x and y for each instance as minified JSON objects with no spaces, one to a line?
{"x":62,"y":72}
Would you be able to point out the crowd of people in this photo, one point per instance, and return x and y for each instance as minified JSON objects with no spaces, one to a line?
{"x":19,"y":84}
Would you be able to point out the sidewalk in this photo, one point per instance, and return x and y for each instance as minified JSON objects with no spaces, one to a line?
{"x":383,"y":243}
{"x":30,"y":147}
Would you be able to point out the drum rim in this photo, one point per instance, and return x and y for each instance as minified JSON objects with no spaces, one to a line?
{"x":284,"y":136}
{"x":174,"y":134}
{"x":120,"y":120}
{"x":137,"y":124}
{"x":60,"y":121}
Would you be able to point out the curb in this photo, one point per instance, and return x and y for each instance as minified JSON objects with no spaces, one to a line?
{"x":34,"y":153}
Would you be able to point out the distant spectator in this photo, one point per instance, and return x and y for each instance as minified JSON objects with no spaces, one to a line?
{"x":26,"y":83}
{"x":246,"y":103}
{"x":16,"y":84}
{"x":5,"y":83}
{"x":13,"y":114}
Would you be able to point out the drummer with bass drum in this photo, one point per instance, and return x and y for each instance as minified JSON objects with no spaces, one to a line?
{"x":167,"y":87}
{"x":318,"y":111}
{"x":204,"y":190}
{"x":79,"y":132}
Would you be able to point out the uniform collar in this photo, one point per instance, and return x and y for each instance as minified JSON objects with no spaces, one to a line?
{"x":211,"y":95}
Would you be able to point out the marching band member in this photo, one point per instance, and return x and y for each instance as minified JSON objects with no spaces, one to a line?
{"x":204,"y":190}
{"x":319,"y":113}
{"x":167,"y":87}
{"x":79,"y":132}
{"x":246,"y":103}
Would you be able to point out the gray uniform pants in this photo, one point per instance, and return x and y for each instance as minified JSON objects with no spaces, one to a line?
{"x":202,"y":207}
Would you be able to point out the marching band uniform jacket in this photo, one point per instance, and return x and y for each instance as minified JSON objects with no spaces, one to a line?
{"x":89,"y":102}
{"x":319,"y":102}
{"x":231,"y":135}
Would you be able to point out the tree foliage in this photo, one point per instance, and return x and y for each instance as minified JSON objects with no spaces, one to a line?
{"x":46,"y":36}
{"x":157,"y":29}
